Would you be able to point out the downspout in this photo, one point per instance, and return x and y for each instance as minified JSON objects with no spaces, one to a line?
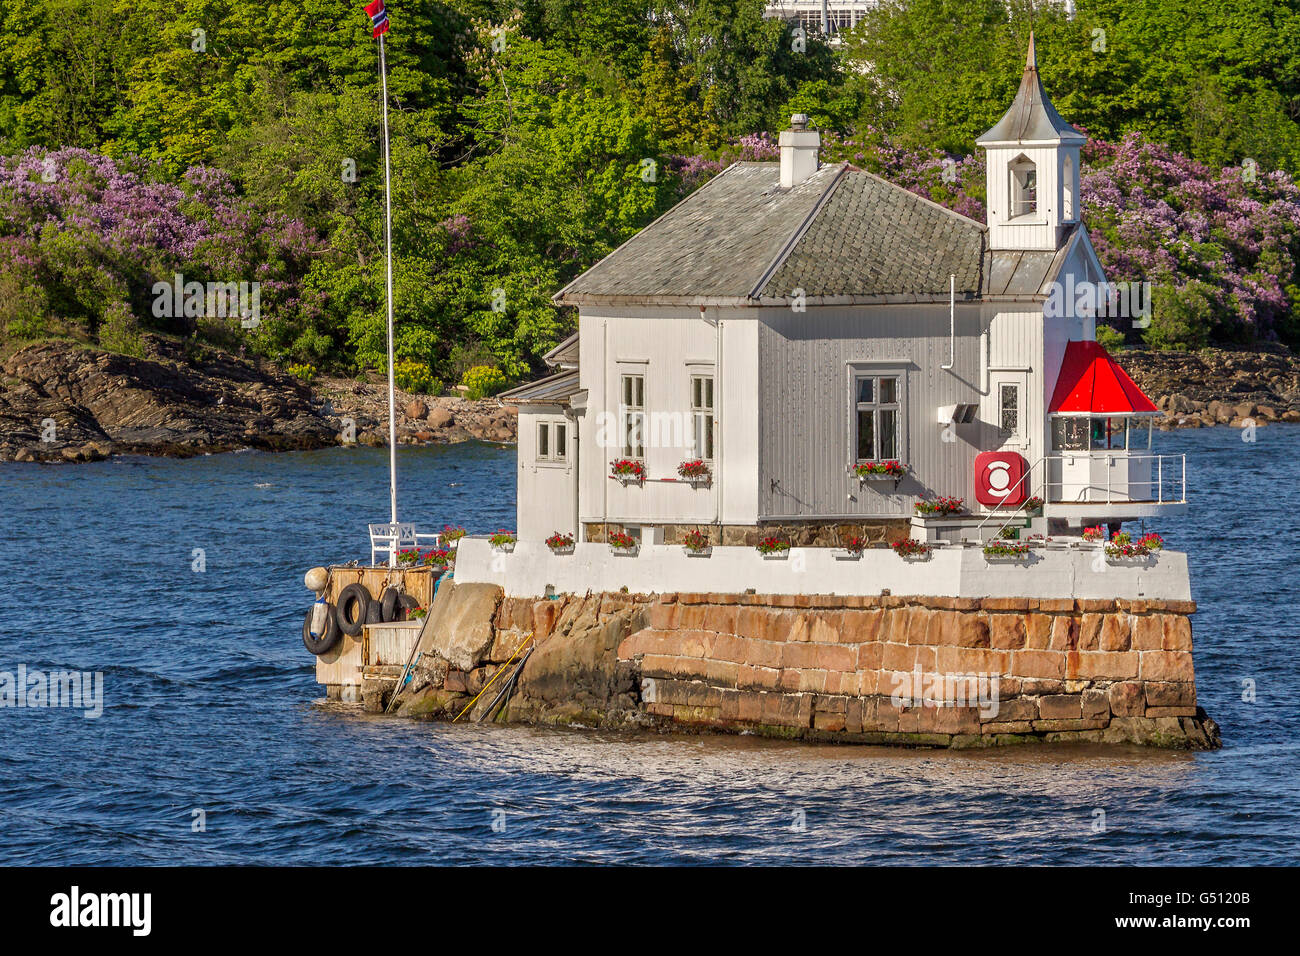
{"x":952,"y":322}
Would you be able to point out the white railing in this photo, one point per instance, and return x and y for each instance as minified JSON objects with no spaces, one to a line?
{"x":1108,"y":477}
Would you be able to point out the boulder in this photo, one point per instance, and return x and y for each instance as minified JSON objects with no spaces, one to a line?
{"x":416,"y":408}
{"x":439,"y":417}
{"x":460,"y":623}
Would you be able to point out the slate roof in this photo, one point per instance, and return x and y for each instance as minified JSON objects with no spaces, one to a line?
{"x":841,"y":235}
{"x":1031,"y":118}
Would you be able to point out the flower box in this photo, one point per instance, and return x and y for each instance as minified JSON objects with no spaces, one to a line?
{"x":560,"y":543}
{"x":851,"y":550}
{"x":774,"y":549}
{"x":695,"y":472}
{"x":909,"y":549}
{"x":1005,"y":551}
{"x":879,"y":471}
{"x":696,"y":544}
{"x":623,"y":544}
{"x":940,"y":507}
{"x":628,"y":471}
{"x":502,"y":542}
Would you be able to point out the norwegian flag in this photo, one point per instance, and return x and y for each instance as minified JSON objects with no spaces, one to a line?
{"x":378,"y":16}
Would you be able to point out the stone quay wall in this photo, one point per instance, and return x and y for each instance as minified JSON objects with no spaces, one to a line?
{"x":856,"y":669}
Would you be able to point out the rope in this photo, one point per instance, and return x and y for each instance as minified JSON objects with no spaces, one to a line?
{"x":499,"y":672}
{"x":507,"y":690}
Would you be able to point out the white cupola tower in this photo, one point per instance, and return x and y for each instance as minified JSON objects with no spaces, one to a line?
{"x":1033,"y":169}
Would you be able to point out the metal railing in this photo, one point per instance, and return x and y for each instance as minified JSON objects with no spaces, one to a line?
{"x":1164,"y":477}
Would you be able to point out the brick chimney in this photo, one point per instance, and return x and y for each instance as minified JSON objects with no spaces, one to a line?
{"x":799,"y":148}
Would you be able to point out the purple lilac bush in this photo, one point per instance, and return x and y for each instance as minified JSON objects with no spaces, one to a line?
{"x":1228,"y":239}
{"x":83,"y":238}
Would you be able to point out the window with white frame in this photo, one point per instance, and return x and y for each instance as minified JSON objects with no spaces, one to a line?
{"x":632,"y":414}
{"x":702,"y":416}
{"x":553,"y":441}
{"x":877,"y":417}
{"x":1009,"y":409}
{"x":1067,"y":190}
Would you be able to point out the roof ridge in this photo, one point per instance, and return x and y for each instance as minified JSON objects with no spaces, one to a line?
{"x":784,"y":253}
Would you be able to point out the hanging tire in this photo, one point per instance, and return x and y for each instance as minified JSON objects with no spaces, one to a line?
{"x":389,"y":605}
{"x":351,"y":611}
{"x":374,"y":613}
{"x":405,"y":605}
{"x":324,"y":643}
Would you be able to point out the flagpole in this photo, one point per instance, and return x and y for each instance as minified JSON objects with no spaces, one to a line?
{"x":388,"y":230}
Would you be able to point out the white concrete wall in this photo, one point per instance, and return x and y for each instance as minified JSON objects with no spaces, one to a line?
{"x":949,"y":572}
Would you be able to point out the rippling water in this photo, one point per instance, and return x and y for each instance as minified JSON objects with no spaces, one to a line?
{"x":210,"y":702}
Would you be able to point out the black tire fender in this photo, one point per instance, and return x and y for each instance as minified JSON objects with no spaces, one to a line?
{"x":324,"y":643}
{"x":352,"y":608}
{"x":389,"y":605}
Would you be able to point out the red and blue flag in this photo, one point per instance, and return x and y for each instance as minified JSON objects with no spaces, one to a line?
{"x":378,"y":16}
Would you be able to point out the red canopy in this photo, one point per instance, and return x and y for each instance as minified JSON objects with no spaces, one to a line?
{"x":1092,"y":383}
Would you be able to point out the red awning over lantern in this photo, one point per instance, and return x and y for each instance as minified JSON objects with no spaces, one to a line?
{"x":1092,"y":383}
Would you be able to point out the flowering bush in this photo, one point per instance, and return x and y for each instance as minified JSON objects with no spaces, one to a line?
{"x":502,"y":539}
{"x":408,"y":557}
{"x":694,"y":469}
{"x":1097,"y":533}
{"x":417,"y":613}
{"x":304,"y":373}
{"x":940,"y":506}
{"x":85,"y":238}
{"x":559,"y":541}
{"x":436,"y":557}
{"x":910,"y":548}
{"x":889,"y":469}
{"x":855,"y":544}
{"x":452,"y":535}
{"x":482,"y":381}
{"x":416,"y":378}
{"x":622,"y":541}
{"x":773,"y":546}
{"x":1033,"y":503}
{"x":695,"y":541}
{"x":627,"y":468}
{"x":1005,"y":549}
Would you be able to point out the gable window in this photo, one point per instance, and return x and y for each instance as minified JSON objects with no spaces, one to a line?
{"x":632,"y":414}
{"x":1009,"y":410}
{"x":1024,"y":187}
{"x":552,"y":441}
{"x":702,"y":417}
{"x":877,"y":422}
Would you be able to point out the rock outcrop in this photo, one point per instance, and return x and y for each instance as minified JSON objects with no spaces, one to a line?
{"x":60,"y":401}
{"x":1218,"y":386}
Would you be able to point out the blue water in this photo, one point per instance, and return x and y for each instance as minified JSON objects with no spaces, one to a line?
{"x":210,"y":702}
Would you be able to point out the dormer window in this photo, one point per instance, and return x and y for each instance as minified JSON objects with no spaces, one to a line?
{"x":1024,"y":187}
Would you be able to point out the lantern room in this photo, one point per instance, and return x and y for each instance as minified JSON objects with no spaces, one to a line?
{"x":1101,"y":466}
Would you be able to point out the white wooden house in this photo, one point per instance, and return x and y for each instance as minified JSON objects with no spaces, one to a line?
{"x":790,"y":321}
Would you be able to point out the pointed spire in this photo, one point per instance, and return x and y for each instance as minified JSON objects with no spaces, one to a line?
{"x":1031,"y":118}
